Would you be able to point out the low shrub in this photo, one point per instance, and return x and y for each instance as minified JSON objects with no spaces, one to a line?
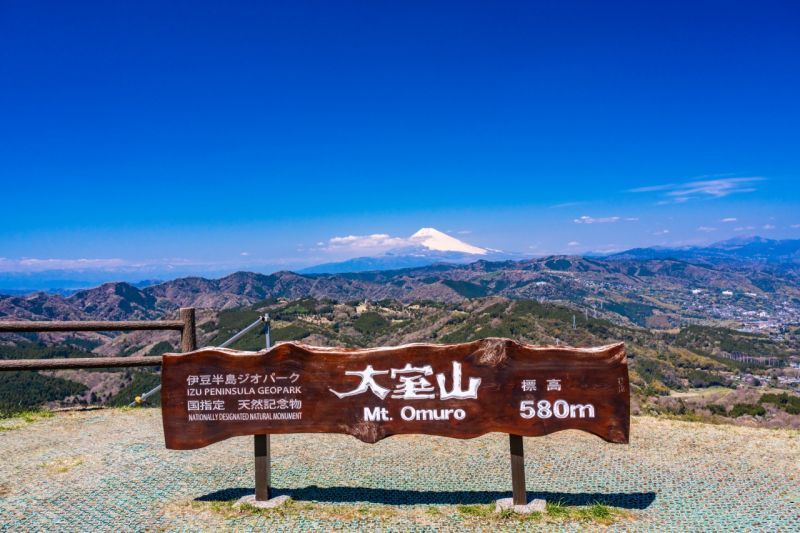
{"x":703,"y":379}
{"x":790,"y":404}
{"x":751,"y":409}
{"x":717,"y":409}
{"x":371,"y":323}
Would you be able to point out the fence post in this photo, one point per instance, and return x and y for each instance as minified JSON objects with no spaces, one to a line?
{"x":188,"y":334}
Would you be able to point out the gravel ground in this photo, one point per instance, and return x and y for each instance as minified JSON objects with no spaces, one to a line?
{"x":108,"y":469}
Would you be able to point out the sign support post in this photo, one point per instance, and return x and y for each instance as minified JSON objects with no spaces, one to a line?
{"x":262,"y":456}
{"x":261,"y":446}
{"x":517,"y":470}
{"x":518,"y":501}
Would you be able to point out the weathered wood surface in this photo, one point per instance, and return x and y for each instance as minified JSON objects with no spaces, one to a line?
{"x":188,"y":330}
{"x":77,"y":363}
{"x":186,"y":325}
{"x":21,"y":326}
{"x":295,"y":391}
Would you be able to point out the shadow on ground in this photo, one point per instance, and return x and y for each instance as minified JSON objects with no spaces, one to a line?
{"x":626,"y":500}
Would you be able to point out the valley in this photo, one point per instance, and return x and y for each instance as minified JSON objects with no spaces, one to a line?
{"x":709,"y":334}
{"x":670,"y":369}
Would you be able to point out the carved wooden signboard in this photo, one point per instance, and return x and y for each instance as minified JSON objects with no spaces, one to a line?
{"x":460,"y":390}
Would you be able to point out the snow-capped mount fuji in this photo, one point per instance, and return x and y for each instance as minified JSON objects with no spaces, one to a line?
{"x":425,"y":247}
{"x":435,"y":240}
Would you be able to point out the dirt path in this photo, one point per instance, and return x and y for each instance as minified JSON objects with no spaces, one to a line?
{"x":109,"y":470}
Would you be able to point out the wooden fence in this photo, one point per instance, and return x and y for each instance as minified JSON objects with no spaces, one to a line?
{"x":185,"y":324}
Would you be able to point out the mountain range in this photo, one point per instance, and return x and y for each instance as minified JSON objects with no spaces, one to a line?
{"x":655,"y":288}
{"x":741,"y":249}
{"x":427,"y":246}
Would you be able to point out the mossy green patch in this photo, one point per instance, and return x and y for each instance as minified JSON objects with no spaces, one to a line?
{"x":11,"y":421}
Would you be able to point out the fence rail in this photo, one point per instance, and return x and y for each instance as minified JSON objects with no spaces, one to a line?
{"x":19,"y":326}
{"x":78,"y":363}
{"x":185,"y":324}
{"x":264,"y":319}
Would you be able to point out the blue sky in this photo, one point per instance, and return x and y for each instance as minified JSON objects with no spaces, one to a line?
{"x":213,"y":136}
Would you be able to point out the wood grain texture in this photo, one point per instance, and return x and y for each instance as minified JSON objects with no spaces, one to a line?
{"x":20,"y":326}
{"x":188,"y":330}
{"x":586,"y":376}
{"x":75,"y":363}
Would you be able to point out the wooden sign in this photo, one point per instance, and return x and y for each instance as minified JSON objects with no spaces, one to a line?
{"x":460,"y":390}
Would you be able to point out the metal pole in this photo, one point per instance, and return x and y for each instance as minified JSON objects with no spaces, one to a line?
{"x":267,"y":333}
{"x":261,"y":446}
{"x":517,"y":470}
{"x":143,"y":397}
{"x":244,"y":332}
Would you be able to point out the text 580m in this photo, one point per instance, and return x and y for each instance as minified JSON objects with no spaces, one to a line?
{"x":557,"y":409}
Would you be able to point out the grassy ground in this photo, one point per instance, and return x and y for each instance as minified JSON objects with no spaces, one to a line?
{"x":108,"y":469}
{"x":702,"y":393}
{"x":18,"y":420}
{"x":467,"y":515}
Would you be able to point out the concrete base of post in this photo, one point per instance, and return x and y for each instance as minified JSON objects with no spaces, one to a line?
{"x":533,"y":506}
{"x":272,"y":503}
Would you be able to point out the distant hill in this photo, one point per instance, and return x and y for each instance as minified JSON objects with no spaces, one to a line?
{"x":662,"y":361}
{"x":739,"y":249}
{"x":386,"y":262}
{"x":643,"y":290}
{"x":688,"y":320}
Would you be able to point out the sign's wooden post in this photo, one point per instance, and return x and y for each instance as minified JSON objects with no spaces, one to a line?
{"x":261,"y":445}
{"x":517,"y":470}
{"x":262,"y":456}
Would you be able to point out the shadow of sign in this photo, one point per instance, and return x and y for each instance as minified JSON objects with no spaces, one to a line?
{"x":623,"y":500}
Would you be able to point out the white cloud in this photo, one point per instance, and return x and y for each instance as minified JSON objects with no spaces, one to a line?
{"x":706,"y":229}
{"x":143,"y":267}
{"x":244,"y":254}
{"x":728,"y":220}
{"x":705,"y":188}
{"x":767,"y":226}
{"x":374,"y":242}
{"x":608,"y":248}
{"x":586,"y":219}
{"x":717,"y":188}
{"x":573,"y":243}
{"x":567,"y":204}
{"x":795,"y":226}
{"x":744,"y":228}
{"x":661,"y":232}
{"x":654,"y":188}
{"x":34,"y":264}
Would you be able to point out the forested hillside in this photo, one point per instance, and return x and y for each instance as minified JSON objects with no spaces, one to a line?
{"x":680,"y":371}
